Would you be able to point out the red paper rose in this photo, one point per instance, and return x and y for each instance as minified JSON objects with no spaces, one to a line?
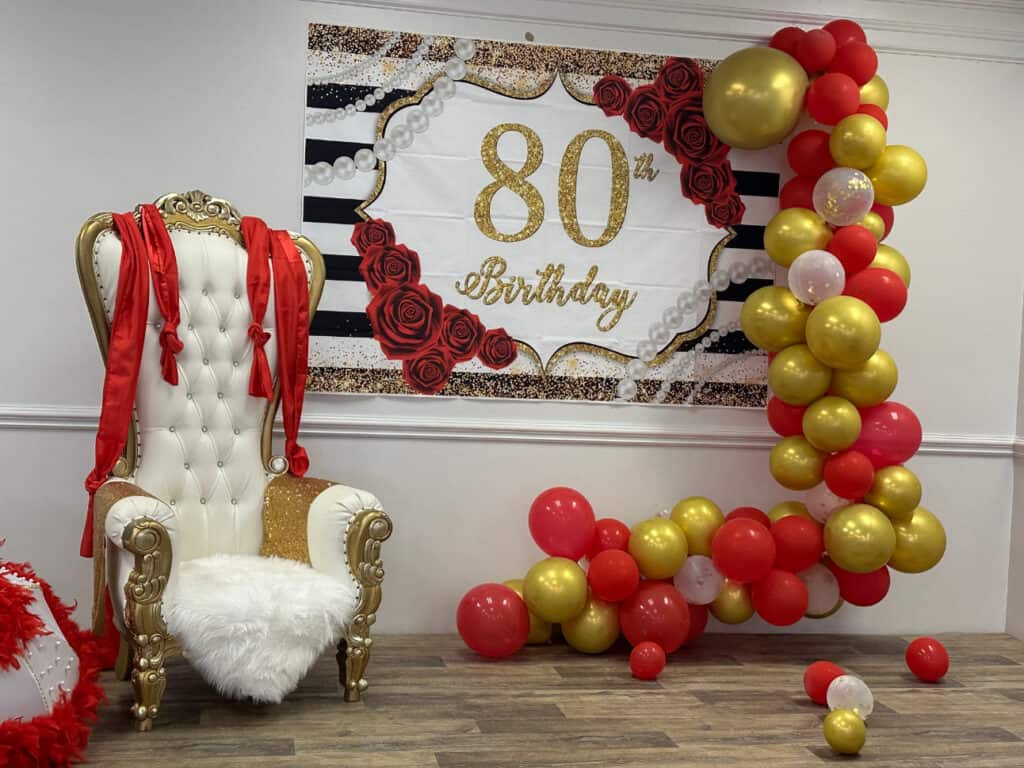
{"x":645,"y":113}
{"x":679,"y":78}
{"x":372,"y":232}
{"x":725,"y":211}
{"x":389,"y":264}
{"x":611,"y":93}
{"x":498,"y":349}
{"x":428,"y":372}
{"x":707,"y":182}
{"x":461,"y":333}
{"x":406,"y":319}
{"x":687,"y":135}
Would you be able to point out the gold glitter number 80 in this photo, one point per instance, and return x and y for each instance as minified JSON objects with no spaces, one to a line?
{"x":514,"y":180}
{"x":567,"y":178}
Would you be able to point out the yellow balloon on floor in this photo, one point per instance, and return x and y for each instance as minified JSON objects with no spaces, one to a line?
{"x":857,"y":141}
{"x":699,"y":518}
{"x":796,"y":464}
{"x":869,"y":383}
{"x":788,"y":509}
{"x":898,"y":175}
{"x":733,"y":604}
{"x":897,"y":492}
{"x":555,"y":589}
{"x":793,"y":231}
{"x":797,"y":377}
{"x":540,"y":630}
{"x":596,"y":629}
{"x":876,"y":92}
{"x":843,"y":332}
{"x":891,"y":259}
{"x":874,"y":224}
{"x":773,"y":318}
{"x":831,"y":423}
{"x":859,"y":538}
{"x":844,"y":731}
{"x":920,"y":543}
{"x":658,"y":546}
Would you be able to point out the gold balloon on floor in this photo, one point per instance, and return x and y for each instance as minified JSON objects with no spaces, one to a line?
{"x":891,"y":259}
{"x":773,"y":318}
{"x":869,"y":383}
{"x":876,"y":92}
{"x":874,"y":224}
{"x":920,"y":543}
{"x":788,"y":509}
{"x":844,"y":731}
{"x":898,"y":175}
{"x":797,"y":377}
{"x":555,"y":589}
{"x":596,"y":629}
{"x":859,"y":538}
{"x":753,"y":98}
{"x":540,"y":630}
{"x":897,"y":492}
{"x":831,"y":423}
{"x":793,"y":231}
{"x":699,"y":518}
{"x":857,"y":141}
{"x":733,"y":604}
{"x":796,"y":464}
{"x":843,"y":332}
{"x":658,"y":546}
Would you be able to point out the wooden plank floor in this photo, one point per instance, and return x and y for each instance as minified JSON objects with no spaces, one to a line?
{"x":733,"y":701}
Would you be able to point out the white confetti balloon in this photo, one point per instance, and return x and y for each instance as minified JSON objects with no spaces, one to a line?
{"x":843,"y":196}
{"x":849,"y":692}
{"x":821,"y":502}
{"x":815,"y":276}
{"x":698,"y":580}
{"x":822,"y":589}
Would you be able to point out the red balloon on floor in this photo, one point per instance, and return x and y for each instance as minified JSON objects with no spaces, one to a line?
{"x":832,"y":97}
{"x":890,"y":433}
{"x":854,"y":246}
{"x":743,"y":550}
{"x":849,"y":474}
{"x":881,"y":289}
{"x":798,"y":543}
{"x":613,"y":575}
{"x":780,"y":598}
{"x":609,"y":533}
{"x":818,"y":677}
{"x":750,"y":513}
{"x":861,"y":588}
{"x":562,"y":523}
{"x":787,"y":420}
{"x":928,"y":659}
{"x":493,"y":620}
{"x":808,"y":153}
{"x":646,"y":661}
{"x":698,"y":623}
{"x":797,"y":193}
{"x":656,"y":612}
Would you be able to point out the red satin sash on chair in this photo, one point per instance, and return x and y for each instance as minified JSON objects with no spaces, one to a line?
{"x":164,"y":266}
{"x":257,"y":284}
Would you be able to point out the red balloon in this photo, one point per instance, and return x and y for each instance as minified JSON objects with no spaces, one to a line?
{"x":818,"y":677}
{"x":845,"y":31}
{"x":780,"y":598}
{"x":786,"y":39}
{"x":876,"y":112}
{"x":743,"y":550}
{"x":750,"y":513}
{"x":787,"y":420}
{"x":798,"y":543}
{"x":646,"y":661}
{"x":928,"y":659}
{"x":858,"y":60}
{"x":698,"y":623}
{"x":808,"y":153}
{"x":613,"y":575}
{"x":861,"y":589}
{"x":562,"y":523}
{"x":796,"y":193}
{"x":609,"y":533}
{"x":493,"y":620}
{"x":657,"y":612}
{"x":881,"y":289}
{"x":849,"y":474}
{"x":887,"y":214}
{"x":815,"y":50}
{"x":854,"y":246}
{"x":890,"y":433}
{"x":832,"y":97}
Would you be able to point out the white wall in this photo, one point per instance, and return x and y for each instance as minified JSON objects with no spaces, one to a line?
{"x":109,"y":103}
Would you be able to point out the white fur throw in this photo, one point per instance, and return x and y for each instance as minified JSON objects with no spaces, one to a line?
{"x":253,"y":626}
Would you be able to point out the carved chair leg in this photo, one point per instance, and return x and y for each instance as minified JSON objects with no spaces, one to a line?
{"x":353,"y":657}
{"x":123,"y":666}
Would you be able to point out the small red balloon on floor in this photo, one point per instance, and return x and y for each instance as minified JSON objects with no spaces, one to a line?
{"x":647,"y":660}
{"x":928,"y":659}
{"x":818,"y":677}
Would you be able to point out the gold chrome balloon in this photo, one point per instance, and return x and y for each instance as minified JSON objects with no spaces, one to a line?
{"x":793,"y":231}
{"x":788,"y":509}
{"x":797,"y":377}
{"x":658,"y":546}
{"x":857,"y":141}
{"x":889,"y":258}
{"x":920,"y":543}
{"x":844,"y":731}
{"x":733,"y":604}
{"x":876,"y":92}
{"x":699,"y":518}
{"x":555,"y":589}
{"x":540,"y":630}
{"x":831,"y":423}
{"x":753,"y":98}
{"x":596,"y":629}
{"x":773,"y":318}
{"x":843,"y":332}
{"x":898,"y":175}
{"x":897,"y":492}
{"x":874,"y":224}
{"x":796,"y":464}
{"x":869,"y":383}
{"x":859,"y":538}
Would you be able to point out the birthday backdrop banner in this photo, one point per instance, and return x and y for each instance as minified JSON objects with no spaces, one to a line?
{"x":521,"y":221}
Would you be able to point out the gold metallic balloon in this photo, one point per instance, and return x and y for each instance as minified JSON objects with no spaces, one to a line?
{"x":796,"y":464}
{"x":869,"y":383}
{"x":540,"y":630}
{"x":876,"y":92}
{"x":831,"y":423}
{"x":859,"y":538}
{"x":596,"y":629}
{"x":658,"y":546}
{"x":874,"y":224}
{"x":797,"y":377}
{"x":857,"y":141}
{"x":699,"y":518}
{"x":773,"y":318}
{"x":793,"y":231}
{"x":843,"y":332}
{"x":788,"y":509}
{"x":844,"y":731}
{"x":733,"y":604}
{"x":889,"y":258}
{"x":555,"y":589}
{"x":754,"y":97}
{"x":898,"y":175}
{"x":920,"y":543}
{"x":897,"y":492}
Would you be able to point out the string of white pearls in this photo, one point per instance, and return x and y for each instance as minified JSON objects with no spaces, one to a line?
{"x":342,"y":75}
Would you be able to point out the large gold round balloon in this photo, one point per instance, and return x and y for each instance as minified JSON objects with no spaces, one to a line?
{"x":596,"y":629}
{"x":796,"y":464}
{"x":869,"y":383}
{"x":699,"y":518}
{"x":831,"y":423}
{"x":797,"y":377}
{"x":897,"y":492}
{"x":793,"y":231}
{"x":733,"y":604}
{"x":891,"y":259}
{"x":898,"y":175}
{"x":844,"y":731}
{"x":920,"y":543}
{"x":876,"y":92}
{"x":859,"y":538}
{"x":658,"y":546}
{"x":754,"y":97}
{"x":874,"y":224}
{"x":857,"y":141}
{"x":843,"y":332}
{"x":540,"y":630}
{"x":788,"y":509}
{"x":773,"y":318}
{"x":555,"y":589}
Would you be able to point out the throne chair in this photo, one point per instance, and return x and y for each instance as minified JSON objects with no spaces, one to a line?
{"x":207,"y":545}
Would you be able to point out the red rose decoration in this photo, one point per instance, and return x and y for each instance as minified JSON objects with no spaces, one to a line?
{"x":498,"y":349}
{"x":389,"y":264}
{"x":428,"y":372}
{"x":679,"y":78}
{"x":707,"y":182}
{"x":406,"y":319}
{"x":645,"y":113}
{"x":372,"y":232}
{"x":461,"y":333}
{"x":611,"y":93}
{"x":688,"y":137}
{"x":725,"y":212}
